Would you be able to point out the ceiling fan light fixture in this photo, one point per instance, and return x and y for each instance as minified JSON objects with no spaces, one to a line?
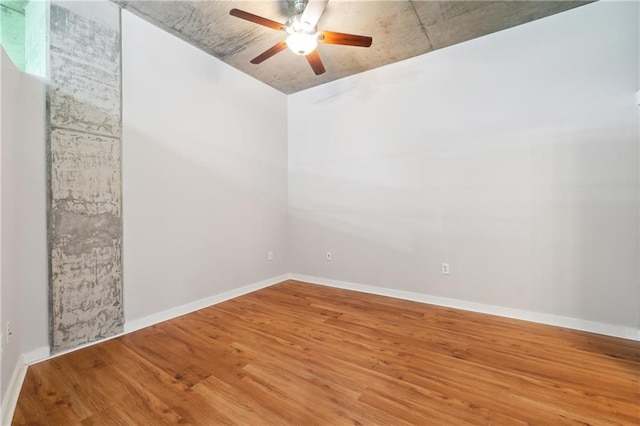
{"x":302,"y":43}
{"x":302,"y":37}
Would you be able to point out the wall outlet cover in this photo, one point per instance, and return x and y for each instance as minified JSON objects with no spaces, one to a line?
{"x":445,"y":269}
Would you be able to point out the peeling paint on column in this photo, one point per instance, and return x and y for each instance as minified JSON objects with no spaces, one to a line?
{"x":85,"y":216}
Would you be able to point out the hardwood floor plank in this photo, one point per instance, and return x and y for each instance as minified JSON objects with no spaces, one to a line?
{"x":234,"y":403}
{"x":297,"y":353}
{"x":190,"y":406}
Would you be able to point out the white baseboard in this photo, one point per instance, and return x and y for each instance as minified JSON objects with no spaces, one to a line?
{"x":542,"y":318}
{"x":147,"y":321}
{"x":43,"y":353}
{"x":36,"y":355}
{"x":13,"y":392}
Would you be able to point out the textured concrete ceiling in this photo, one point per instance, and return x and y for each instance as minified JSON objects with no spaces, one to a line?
{"x":400,"y":29}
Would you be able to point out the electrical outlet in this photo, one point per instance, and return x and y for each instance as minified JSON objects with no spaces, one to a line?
{"x":328,"y":256}
{"x":8,"y":332}
{"x":445,"y":269}
{"x":270,"y":256}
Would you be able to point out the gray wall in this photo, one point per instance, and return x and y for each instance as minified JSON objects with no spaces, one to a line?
{"x":23,"y":219}
{"x":33,"y":257}
{"x":205,"y":174}
{"x":10,"y":227}
{"x":513,"y":157}
{"x":85,"y":173}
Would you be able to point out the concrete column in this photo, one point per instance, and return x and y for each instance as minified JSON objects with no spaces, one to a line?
{"x":84,"y":159}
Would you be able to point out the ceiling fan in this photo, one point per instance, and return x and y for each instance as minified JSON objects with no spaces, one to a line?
{"x":302,"y":33}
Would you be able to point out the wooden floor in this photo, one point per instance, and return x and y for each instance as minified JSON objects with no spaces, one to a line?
{"x":303,"y":354}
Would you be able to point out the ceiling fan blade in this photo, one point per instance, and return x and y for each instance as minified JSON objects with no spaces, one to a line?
{"x":330,"y":37}
{"x":269,"y":53}
{"x":256,"y":19}
{"x":315,"y":62}
{"x":313,"y":11}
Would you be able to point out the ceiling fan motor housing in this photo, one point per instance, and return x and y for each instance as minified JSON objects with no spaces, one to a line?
{"x":299,"y":5}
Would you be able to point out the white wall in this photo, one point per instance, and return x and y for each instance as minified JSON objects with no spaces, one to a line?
{"x":23,"y":258}
{"x":513,"y":157}
{"x":204,"y":172}
{"x":9,"y":218}
{"x":32,"y":205}
{"x":3,"y":58}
